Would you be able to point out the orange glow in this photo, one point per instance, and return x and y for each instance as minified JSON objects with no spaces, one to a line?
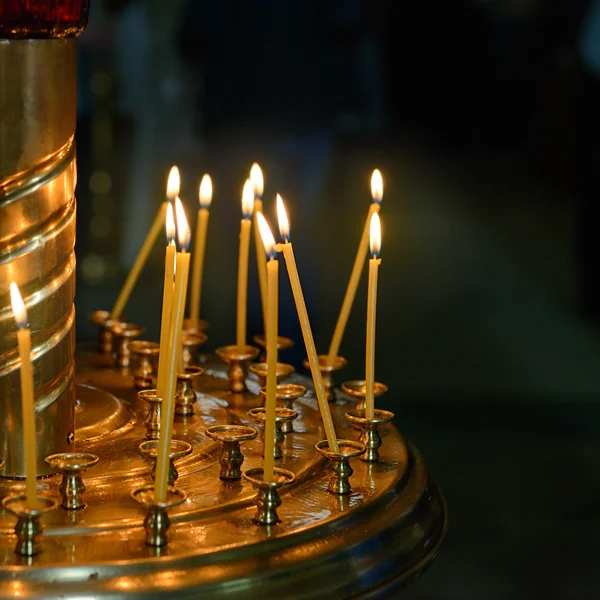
{"x":205,"y":192}
{"x":376,"y":186}
{"x":266,"y":235}
{"x":170,"y":224}
{"x":183,"y":229}
{"x":375,"y":231}
{"x":284,"y":222}
{"x":248,"y":199}
{"x":173,"y":184}
{"x":18,"y":306}
{"x":258,"y":183}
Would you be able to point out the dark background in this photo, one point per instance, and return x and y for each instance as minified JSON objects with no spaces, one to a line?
{"x":482,"y":118}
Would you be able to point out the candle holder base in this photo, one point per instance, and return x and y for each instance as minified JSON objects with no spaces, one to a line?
{"x":231,"y":458}
{"x":123,"y":333}
{"x":341,"y":471}
{"x":146,"y":353}
{"x":72,"y":465}
{"x":327,"y":371}
{"x":267,"y":498}
{"x":28,"y":527}
{"x":179,"y":449}
{"x":191,"y":340}
{"x":283,"y":344}
{"x":260,"y":369}
{"x":357,"y":389}
{"x":152,"y":421}
{"x":370,"y":430}
{"x":282,"y":415}
{"x":157,"y":522}
{"x":237,"y":358}
{"x":285,"y":394}
{"x":104,"y":321}
{"x":186,"y":396}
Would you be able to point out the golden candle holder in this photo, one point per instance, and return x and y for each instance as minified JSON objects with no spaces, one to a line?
{"x":327,"y":372}
{"x":286,"y":394}
{"x":231,"y":458}
{"x":105,"y":337}
{"x":357,"y":389}
{"x":144,"y":377}
{"x":283,"y":344}
{"x":370,"y":430}
{"x":152,"y":420}
{"x":282,"y":415}
{"x":341,"y":471}
{"x":191,"y":340}
{"x":179,"y":449}
{"x":72,"y":465}
{"x":267,"y":498}
{"x":203,"y":325}
{"x":28,"y":528}
{"x":157,"y":522}
{"x":237,"y":358}
{"x":123,"y":333}
{"x":186,"y":396}
{"x":260,"y":369}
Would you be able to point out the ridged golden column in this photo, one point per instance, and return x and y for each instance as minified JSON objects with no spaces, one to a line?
{"x":37,"y":236}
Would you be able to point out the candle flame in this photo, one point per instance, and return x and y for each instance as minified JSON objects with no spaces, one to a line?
{"x":258,"y":183}
{"x":375,"y":235}
{"x":170,"y":224}
{"x":205,"y":191}
{"x":18,"y":306}
{"x":265,"y":233}
{"x":284,"y":222}
{"x":183,"y":229}
{"x":377,"y":186}
{"x":173,"y":184}
{"x":248,"y":199}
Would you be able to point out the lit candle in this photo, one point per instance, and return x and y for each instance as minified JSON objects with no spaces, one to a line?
{"x":27,"y":397}
{"x":375,"y":243}
{"x":205,"y":197}
{"x":142,"y":257}
{"x":256,"y":177}
{"x":242,"y":290}
{"x":167,"y":411}
{"x":359,"y":261}
{"x":309,"y":342}
{"x":165,"y":321}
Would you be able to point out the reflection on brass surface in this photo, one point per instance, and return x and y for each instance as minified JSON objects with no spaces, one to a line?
{"x":370,"y":430}
{"x":37,"y":235}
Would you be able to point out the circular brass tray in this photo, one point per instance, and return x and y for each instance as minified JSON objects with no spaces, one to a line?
{"x":380,"y":537}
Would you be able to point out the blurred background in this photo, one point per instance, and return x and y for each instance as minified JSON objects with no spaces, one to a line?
{"x":482,"y":116}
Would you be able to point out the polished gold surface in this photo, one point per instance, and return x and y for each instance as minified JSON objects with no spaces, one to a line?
{"x":37,"y":235}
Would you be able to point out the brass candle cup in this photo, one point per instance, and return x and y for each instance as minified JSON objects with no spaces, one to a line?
{"x":230,"y":437}
{"x":146,"y":353}
{"x":105,"y":337}
{"x":179,"y":449}
{"x":260,"y":369}
{"x":357,"y":389}
{"x":72,"y":465}
{"x":157,"y":522}
{"x":327,"y":372}
{"x":191,"y":340}
{"x":123,"y":333}
{"x":237,"y":358}
{"x":202,"y":325}
{"x":28,"y":527}
{"x":282,"y":415}
{"x":267,"y":498}
{"x":369,"y":428}
{"x":283,"y":344}
{"x":339,"y":482}
{"x":186,"y":396}
{"x":286,"y":394}
{"x":152,"y":421}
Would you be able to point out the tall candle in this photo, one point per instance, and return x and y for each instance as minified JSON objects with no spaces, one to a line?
{"x":272,"y":317}
{"x":256,"y":176}
{"x":242,"y":289}
{"x":142,"y":257}
{"x":309,"y":342}
{"x":27,"y":397}
{"x":167,"y":412}
{"x":165,"y":321}
{"x":374,"y":262}
{"x":359,"y":261}
{"x":205,"y":197}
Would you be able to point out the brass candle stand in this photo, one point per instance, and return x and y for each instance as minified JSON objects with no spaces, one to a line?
{"x":231,"y":458}
{"x":286,"y":394}
{"x":339,"y":481}
{"x":152,"y":420}
{"x":283,"y":344}
{"x":123,"y":333}
{"x":146,"y":353}
{"x":260,"y":369}
{"x":357,"y":389}
{"x":282,"y":415}
{"x":327,"y":371}
{"x":179,"y":449}
{"x":72,"y":465}
{"x":237,"y":358}
{"x":103,"y":320}
{"x":267,"y":498}
{"x":370,"y":430}
{"x":191,"y":340}
{"x":186,"y":396}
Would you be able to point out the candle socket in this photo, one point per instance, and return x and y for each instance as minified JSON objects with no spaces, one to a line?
{"x":105,"y":337}
{"x":283,"y":343}
{"x":157,"y":522}
{"x":285,"y":394}
{"x":179,"y":449}
{"x":282,"y":415}
{"x":260,"y":369}
{"x":339,"y":482}
{"x":72,"y":465}
{"x":191,"y":340}
{"x":327,"y":372}
{"x":152,"y":421}
{"x":230,"y":438}
{"x":267,"y":499}
{"x":237,"y":358}
{"x":146,"y":353}
{"x":369,"y":430}
{"x":28,"y":527}
{"x":186,"y":396}
{"x":123,"y":334}
{"x":358,"y":389}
